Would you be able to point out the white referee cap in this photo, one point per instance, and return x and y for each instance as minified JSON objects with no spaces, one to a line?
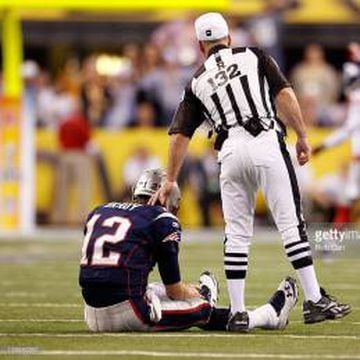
{"x":211,"y":26}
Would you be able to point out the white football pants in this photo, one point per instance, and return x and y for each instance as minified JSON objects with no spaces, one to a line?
{"x":166,"y":314}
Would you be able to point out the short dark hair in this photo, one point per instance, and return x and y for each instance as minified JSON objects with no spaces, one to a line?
{"x":143,"y":199}
{"x":215,"y":42}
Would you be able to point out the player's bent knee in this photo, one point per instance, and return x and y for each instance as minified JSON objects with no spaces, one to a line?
{"x":183,"y":314}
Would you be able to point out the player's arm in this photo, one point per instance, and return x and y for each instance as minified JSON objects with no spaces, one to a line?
{"x":338,"y":136}
{"x":350,"y":78}
{"x":168,"y":264}
{"x":167,"y":232}
{"x":287,"y":104}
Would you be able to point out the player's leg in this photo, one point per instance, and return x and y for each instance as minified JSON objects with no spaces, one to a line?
{"x":238,"y":198}
{"x":182,"y":314}
{"x":350,"y":194}
{"x":282,"y":194}
{"x":149,"y":314}
{"x":82,"y":172}
{"x":201,"y":312}
{"x":125,"y":316}
{"x":62,"y":186}
{"x":273,"y":315}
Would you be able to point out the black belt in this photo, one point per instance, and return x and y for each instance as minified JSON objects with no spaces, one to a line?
{"x":253,"y":126}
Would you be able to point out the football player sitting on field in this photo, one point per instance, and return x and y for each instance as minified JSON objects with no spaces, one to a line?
{"x":122,"y":244}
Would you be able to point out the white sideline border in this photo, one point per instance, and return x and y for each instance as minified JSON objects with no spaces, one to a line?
{"x":55,"y":320}
{"x":41,"y":320}
{"x":79,"y":305}
{"x":40,"y":305}
{"x":177,"y":355}
{"x":180,"y":335}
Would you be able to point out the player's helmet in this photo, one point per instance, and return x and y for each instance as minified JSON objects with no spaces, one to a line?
{"x":150,"y":182}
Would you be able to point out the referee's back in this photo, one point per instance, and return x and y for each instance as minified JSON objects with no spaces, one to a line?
{"x":234,"y":86}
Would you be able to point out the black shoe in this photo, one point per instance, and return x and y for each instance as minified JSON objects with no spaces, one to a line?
{"x":238,"y":322}
{"x":327,"y":308}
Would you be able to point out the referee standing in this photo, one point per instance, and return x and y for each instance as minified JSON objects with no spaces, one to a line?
{"x":238,"y":92}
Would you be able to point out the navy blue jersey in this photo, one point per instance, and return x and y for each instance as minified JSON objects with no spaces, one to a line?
{"x":122,"y":244}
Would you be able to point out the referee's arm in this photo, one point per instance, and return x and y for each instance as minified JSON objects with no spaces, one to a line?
{"x":187,"y":119}
{"x":288,"y":105}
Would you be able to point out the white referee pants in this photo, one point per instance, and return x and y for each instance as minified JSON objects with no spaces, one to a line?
{"x":247,"y":164}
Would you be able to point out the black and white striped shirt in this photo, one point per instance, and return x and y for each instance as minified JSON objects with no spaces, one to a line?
{"x":232,"y":87}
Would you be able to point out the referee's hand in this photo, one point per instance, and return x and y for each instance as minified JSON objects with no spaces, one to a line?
{"x":162,"y":195}
{"x":303,"y":150}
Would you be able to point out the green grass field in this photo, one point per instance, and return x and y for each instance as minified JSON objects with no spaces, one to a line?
{"x":41,"y":308}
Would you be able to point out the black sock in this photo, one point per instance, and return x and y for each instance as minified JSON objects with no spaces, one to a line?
{"x":277,"y":301}
{"x":218,"y":320}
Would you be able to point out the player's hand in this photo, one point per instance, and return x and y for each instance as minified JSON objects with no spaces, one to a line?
{"x":191,"y":291}
{"x":303,"y":150}
{"x":181,"y":291}
{"x":163,"y":193}
{"x":318,"y":149}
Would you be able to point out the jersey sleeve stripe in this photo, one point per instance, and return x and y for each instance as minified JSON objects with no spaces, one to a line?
{"x":166,"y":215}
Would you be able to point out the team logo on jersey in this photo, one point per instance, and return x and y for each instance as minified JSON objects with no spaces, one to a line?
{"x":175,"y":236}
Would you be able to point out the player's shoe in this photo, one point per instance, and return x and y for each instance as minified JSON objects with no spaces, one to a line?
{"x":284,"y":300}
{"x":327,"y":308}
{"x":209,"y":287}
{"x":238,"y":322}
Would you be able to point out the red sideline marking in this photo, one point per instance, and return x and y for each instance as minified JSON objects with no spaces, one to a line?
{"x":187,"y":311}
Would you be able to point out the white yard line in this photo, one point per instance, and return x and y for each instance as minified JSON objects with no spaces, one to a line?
{"x":181,"y":335}
{"x":41,"y":320}
{"x":24,"y":294}
{"x":55,"y":320}
{"x":342,"y":286}
{"x":78,"y":305}
{"x":40,"y":305}
{"x":175,"y":354}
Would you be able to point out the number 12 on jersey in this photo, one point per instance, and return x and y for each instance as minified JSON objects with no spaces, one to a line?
{"x":92,"y":252}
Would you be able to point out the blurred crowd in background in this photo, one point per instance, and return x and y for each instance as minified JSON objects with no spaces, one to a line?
{"x":141,"y":86}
